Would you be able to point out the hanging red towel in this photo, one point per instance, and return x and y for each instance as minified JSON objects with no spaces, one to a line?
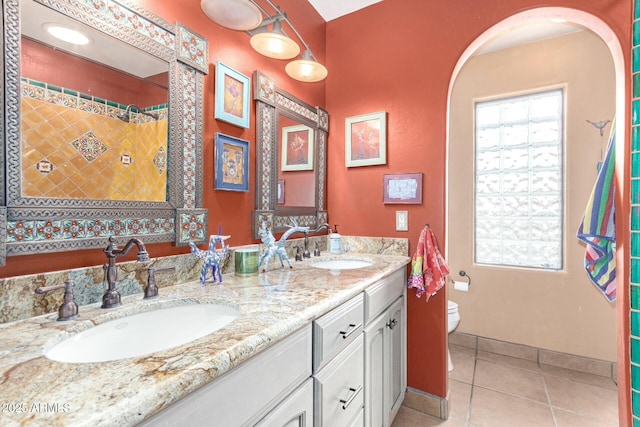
{"x":428,"y":267}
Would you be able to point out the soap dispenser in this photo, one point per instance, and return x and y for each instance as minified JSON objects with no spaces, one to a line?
{"x":335,"y":241}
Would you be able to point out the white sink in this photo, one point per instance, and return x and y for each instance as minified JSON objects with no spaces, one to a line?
{"x":342,"y":264}
{"x":143,"y":333}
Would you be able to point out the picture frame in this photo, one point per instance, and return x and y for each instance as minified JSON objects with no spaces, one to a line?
{"x":232,"y":96}
{"x":402,"y":188}
{"x":297,"y":144}
{"x":231,"y":160}
{"x":280,"y":192}
{"x":366,"y":140}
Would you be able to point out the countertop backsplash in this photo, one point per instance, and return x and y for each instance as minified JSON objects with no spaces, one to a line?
{"x":18,"y":300}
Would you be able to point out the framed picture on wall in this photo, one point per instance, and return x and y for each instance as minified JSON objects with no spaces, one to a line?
{"x":297,"y":148}
{"x":231,"y":160}
{"x":366,"y":140}
{"x":232,"y":96}
{"x":281,"y":191}
{"x":402,"y":188}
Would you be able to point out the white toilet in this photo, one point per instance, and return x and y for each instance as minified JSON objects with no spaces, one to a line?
{"x":453,"y":320}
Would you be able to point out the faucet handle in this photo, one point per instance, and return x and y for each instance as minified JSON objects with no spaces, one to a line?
{"x":68,"y":309}
{"x":151,"y":290}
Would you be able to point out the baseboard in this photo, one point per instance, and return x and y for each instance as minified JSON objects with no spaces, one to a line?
{"x":430,"y":404}
{"x":541,"y":356}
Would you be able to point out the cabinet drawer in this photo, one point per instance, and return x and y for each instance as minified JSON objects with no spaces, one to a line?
{"x":333,"y":331}
{"x":380,"y":296}
{"x":339,"y":396}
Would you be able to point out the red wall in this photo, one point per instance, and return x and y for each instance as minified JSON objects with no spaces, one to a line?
{"x":398,"y":56}
{"x":232,"y":209}
{"x":42,"y":63}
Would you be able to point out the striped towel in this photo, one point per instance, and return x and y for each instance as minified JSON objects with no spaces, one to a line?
{"x":597,"y":229}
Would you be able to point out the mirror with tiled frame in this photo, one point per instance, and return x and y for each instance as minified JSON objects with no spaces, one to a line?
{"x":110,"y":183}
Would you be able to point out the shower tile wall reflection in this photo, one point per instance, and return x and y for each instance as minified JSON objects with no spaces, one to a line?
{"x":635,"y":222}
{"x":74,"y":146}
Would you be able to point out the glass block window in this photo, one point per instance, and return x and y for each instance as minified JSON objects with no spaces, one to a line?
{"x":519,"y":181}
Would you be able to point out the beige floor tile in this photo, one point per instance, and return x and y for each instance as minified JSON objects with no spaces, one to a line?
{"x":459,"y":400}
{"x":570,"y":419}
{"x":578,"y":376}
{"x":509,"y":361}
{"x":493,"y":409}
{"x":581,"y":398}
{"x":408,"y":417}
{"x":510,"y":380}
{"x":463,"y":365}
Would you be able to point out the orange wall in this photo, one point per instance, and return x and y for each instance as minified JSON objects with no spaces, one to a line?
{"x":42,"y":63}
{"x":398,"y":56}
{"x":232,"y":209}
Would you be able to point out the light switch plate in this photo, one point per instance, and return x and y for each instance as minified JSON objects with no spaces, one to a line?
{"x":402,"y":221}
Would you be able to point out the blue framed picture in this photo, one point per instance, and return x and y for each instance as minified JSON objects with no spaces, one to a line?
{"x":231,"y":159}
{"x":232,"y":96}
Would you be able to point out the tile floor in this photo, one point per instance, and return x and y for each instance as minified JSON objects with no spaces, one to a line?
{"x":489,"y":389}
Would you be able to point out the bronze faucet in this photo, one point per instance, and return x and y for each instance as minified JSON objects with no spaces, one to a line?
{"x":111,"y":297}
{"x":319,"y":228}
{"x":68,"y":309}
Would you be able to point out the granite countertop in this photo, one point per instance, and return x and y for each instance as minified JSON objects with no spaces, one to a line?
{"x":36,"y":391}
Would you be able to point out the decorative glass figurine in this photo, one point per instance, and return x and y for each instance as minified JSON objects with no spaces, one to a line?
{"x":273,"y":247}
{"x":212,"y":257}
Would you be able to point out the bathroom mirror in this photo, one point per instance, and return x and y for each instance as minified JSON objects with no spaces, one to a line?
{"x":102,"y":139}
{"x":291,"y":146}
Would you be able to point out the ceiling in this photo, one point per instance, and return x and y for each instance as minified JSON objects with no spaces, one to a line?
{"x":528,"y":33}
{"x":332,"y":9}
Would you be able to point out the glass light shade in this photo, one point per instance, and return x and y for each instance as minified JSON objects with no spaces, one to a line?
{"x":275,"y":44}
{"x":66,"y":34}
{"x":240,"y":15}
{"x":306,"y":70}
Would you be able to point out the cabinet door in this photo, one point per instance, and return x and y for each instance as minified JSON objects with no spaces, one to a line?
{"x":395,"y":349}
{"x":295,"y":411}
{"x":375,"y":377}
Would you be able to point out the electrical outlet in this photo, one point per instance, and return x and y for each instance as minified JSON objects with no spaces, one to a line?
{"x":402,"y":221}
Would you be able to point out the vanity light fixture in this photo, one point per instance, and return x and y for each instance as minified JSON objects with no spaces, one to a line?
{"x":66,"y":34}
{"x":272,"y":43}
{"x":275,"y":43}
{"x":306,"y":69}
{"x":240,"y":15}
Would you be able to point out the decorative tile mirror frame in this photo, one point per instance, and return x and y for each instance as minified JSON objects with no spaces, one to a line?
{"x":30,"y":225}
{"x":271,"y":102}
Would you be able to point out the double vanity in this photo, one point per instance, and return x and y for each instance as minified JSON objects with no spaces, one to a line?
{"x":320,"y":344}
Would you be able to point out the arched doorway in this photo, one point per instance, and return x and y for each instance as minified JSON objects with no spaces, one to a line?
{"x":601,"y":30}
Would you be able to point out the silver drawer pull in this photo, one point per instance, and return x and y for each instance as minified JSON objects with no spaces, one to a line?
{"x":346,"y":403}
{"x":392,"y":323}
{"x":352,"y":328}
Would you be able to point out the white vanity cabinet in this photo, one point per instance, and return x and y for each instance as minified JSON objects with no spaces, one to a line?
{"x":345,"y":369}
{"x":385,"y":350}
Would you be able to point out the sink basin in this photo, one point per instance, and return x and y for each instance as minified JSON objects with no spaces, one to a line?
{"x":342,"y":264}
{"x":143,"y":333}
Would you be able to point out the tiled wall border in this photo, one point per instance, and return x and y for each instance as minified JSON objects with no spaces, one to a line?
{"x":43,"y":91}
{"x":634,"y":291}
